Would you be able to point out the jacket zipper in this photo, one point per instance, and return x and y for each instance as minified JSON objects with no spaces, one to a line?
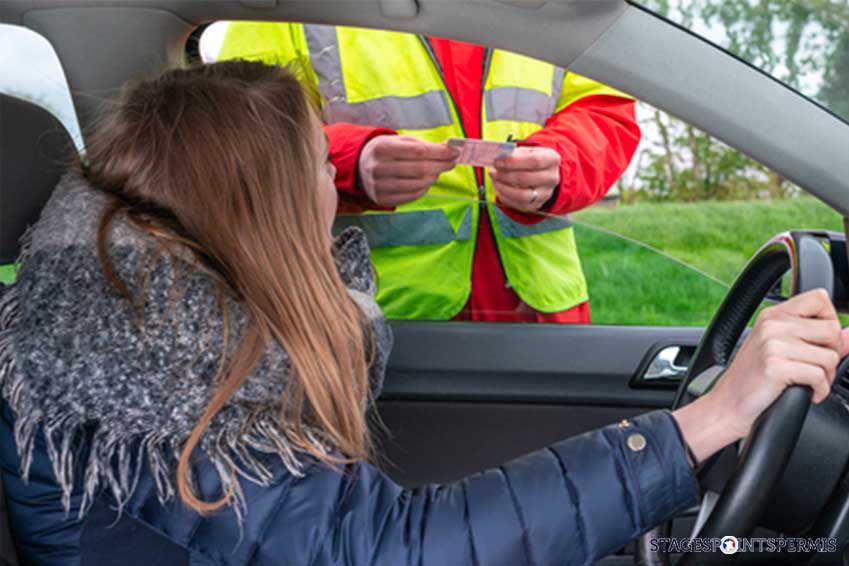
{"x":432,"y":54}
{"x":487,"y":60}
{"x":479,"y":172}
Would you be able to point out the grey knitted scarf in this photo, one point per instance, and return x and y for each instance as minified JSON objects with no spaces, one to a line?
{"x":75,"y":357}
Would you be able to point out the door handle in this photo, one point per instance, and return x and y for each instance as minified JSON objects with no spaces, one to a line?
{"x":663,"y":365}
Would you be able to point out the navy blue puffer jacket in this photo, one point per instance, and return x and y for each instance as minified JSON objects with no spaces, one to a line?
{"x":570,"y":503}
{"x":78,"y":351}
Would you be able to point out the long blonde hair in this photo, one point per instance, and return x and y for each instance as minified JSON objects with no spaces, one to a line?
{"x":222,"y":158}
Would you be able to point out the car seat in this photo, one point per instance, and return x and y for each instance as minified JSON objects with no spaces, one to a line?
{"x":34,"y":148}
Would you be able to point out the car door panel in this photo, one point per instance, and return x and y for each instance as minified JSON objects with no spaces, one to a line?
{"x":460,"y":397}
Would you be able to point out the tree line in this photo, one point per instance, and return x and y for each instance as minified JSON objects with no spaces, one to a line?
{"x":803,"y":43}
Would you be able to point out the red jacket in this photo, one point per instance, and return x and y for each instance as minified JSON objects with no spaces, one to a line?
{"x":595,"y":136}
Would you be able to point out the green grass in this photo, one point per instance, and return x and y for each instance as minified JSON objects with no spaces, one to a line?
{"x":629,"y":284}
{"x":8,"y":273}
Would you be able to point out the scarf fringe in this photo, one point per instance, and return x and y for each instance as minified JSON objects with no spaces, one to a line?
{"x":10,"y":313}
{"x":243,"y":443}
{"x":116,"y":457}
{"x":25,"y":243}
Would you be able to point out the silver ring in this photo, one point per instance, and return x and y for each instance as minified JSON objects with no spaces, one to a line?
{"x":534,"y":196}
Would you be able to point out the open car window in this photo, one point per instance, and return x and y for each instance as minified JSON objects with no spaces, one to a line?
{"x":663,"y":243}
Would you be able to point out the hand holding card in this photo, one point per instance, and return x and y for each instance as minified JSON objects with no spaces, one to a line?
{"x":480,"y":153}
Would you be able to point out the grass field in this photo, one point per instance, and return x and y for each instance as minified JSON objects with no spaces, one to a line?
{"x":630,"y":284}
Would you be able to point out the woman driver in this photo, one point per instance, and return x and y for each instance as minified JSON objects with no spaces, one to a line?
{"x":187,"y":344}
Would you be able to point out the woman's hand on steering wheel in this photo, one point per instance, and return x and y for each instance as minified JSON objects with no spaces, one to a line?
{"x":799,"y":341}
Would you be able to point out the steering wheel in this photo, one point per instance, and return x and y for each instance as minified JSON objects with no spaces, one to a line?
{"x":767,"y":449}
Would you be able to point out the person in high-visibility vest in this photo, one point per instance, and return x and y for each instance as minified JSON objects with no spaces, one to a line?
{"x":390,"y":100}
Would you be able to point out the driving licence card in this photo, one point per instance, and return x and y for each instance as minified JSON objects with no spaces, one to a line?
{"x":481,"y":153}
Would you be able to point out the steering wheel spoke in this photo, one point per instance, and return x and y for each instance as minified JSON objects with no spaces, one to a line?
{"x":705,"y":381}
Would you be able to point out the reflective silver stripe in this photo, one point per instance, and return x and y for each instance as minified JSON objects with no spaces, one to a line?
{"x":323,"y":45}
{"x":512,"y":229}
{"x":556,"y":88}
{"x":523,"y":104}
{"x":417,"y":228}
{"x":421,"y":112}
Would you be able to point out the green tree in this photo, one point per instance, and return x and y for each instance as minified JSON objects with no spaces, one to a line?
{"x":834,"y":92}
{"x":804,"y":43}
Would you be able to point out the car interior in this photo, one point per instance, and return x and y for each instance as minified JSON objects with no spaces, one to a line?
{"x":461,"y":397}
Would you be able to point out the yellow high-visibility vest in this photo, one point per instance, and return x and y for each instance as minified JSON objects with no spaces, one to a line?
{"x":423,"y":251}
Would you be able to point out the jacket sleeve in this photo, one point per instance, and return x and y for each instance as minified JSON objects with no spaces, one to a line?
{"x":595,"y":131}
{"x":570,"y":503}
{"x":346,"y":142}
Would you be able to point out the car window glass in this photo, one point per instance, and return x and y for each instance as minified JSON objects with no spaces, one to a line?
{"x":802,"y":43}
{"x":659,"y":246}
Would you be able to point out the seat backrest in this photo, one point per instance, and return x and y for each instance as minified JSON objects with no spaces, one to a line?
{"x":34,"y":150}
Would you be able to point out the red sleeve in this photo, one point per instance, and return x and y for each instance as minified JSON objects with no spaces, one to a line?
{"x":346,"y":141}
{"x":596,"y":138}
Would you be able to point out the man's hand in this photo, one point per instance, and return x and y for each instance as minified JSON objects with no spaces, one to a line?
{"x":526,"y":179}
{"x":395,"y":170}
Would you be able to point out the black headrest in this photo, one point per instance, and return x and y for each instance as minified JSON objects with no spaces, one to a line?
{"x":34,"y":150}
